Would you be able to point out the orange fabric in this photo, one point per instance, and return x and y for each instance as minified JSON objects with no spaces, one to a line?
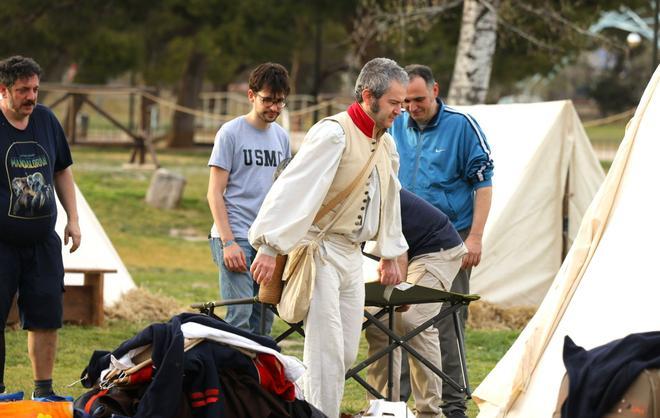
{"x":34,"y":409}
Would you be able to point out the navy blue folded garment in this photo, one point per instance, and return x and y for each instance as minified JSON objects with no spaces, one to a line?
{"x":597,"y":378}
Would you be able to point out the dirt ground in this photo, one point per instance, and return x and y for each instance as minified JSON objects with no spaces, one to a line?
{"x":141,"y":305}
{"x":484,"y":315}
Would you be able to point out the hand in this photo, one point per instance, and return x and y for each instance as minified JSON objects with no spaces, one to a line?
{"x":473,"y":257}
{"x":389,"y":272}
{"x":402,"y":308}
{"x":262,"y":268}
{"x":72,"y":230}
{"x":234,"y":258}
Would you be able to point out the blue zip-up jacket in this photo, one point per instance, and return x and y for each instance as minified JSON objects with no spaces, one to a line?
{"x":445,"y":162}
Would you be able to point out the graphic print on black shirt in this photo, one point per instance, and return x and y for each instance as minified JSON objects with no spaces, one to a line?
{"x":32,"y":194}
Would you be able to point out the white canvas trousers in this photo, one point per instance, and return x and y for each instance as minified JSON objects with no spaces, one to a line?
{"x":333,"y":323}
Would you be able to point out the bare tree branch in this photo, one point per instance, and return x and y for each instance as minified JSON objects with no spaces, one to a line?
{"x":375,"y":20}
{"x":528,"y":36}
{"x":423,"y":12}
{"x":519,"y":31}
{"x":552,"y":15}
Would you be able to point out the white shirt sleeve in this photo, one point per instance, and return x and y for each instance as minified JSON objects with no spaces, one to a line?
{"x":290,"y":206}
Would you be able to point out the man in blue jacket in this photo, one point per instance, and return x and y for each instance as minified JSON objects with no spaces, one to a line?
{"x":446,"y":160}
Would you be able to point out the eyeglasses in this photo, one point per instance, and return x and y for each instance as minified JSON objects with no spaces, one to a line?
{"x":269,"y":101}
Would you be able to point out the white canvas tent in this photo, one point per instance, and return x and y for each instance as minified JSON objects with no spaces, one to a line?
{"x":607,"y":287}
{"x":95,"y":252}
{"x":535,"y":148}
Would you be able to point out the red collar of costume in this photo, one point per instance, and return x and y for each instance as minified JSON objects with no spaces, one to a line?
{"x":361,"y":119}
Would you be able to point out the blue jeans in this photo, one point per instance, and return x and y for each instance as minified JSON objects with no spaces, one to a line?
{"x":235,"y":285}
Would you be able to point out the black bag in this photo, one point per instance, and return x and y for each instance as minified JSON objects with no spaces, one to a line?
{"x":103,"y":403}
{"x":124,"y":401}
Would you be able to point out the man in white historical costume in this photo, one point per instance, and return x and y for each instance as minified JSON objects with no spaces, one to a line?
{"x":332,"y":155}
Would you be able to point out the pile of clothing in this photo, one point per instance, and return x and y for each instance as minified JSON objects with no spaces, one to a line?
{"x":194,"y":366}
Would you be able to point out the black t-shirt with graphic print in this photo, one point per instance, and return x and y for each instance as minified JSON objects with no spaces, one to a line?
{"x":30,"y":157}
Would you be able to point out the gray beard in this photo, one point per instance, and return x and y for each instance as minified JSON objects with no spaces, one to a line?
{"x":374,"y":107}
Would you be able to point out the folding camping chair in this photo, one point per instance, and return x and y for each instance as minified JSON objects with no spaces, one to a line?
{"x":387,"y":298}
{"x":208,"y":308}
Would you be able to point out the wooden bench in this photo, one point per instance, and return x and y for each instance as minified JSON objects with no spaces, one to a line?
{"x":83,"y":304}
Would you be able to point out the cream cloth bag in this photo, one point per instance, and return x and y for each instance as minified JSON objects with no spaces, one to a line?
{"x":299,"y":275}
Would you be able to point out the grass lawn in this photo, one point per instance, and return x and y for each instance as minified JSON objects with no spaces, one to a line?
{"x":607,"y":135}
{"x":164,"y":262}
{"x":605,"y":140}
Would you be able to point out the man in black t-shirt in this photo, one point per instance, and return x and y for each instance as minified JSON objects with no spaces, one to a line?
{"x":434,"y":257}
{"x":35,"y":164}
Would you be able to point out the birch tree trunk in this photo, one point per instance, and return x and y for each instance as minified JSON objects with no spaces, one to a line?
{"x":474,"y":55}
